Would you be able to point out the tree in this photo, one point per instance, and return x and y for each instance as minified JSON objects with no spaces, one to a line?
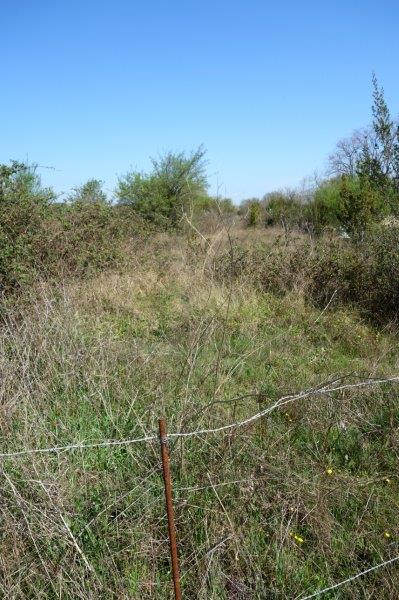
{"x":380,"y":163}
{"x":371,"y":155}
{"x":350,"y":151}
{"x":89,"y":193}
{"x":359,"y":205}
{"x":176,"y":183}
{"x":384,"y":128}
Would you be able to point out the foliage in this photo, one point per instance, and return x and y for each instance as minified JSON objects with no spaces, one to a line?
{"x":90,"y":192}
{"x":361,"y":273}
{"x":351,"y":204}
{"x":284,"y":209}
{"x":207,"y":203}
{"x":280,"y":508}
{"x":176,"y":183}
{"x":24,"y":206}
{"x":254,"y":214}
{"x":373,"y":153}
{"x":42,"y":239}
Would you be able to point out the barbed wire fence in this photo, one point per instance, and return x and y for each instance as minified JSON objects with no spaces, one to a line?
{"x":164,"y":439}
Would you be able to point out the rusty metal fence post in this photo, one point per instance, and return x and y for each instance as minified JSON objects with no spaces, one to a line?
{"x":169,"y":507}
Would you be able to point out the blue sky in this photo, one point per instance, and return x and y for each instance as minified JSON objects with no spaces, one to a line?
{"x":95,"y":88}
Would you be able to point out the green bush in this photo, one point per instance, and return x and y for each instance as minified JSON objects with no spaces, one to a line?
{"x":254,"y":214}
{"x":364,"y":274}
{"x":40,"y":238}
{"x":24,"y":207}
{"x":175,"y":185}
{"x":351,"y":204}
{"x":90,"y":192}
{"x":284,"y":209}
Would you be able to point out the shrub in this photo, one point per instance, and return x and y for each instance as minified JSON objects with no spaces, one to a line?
{"x":364,"y":274}
{"x":40,"y":238}
{"x":24,"y":206}
{"x":283,"y":209}
{"x":90,"y":192}
{"x":351,"y":204}
{"x":176,"y":183}
{"x":254,"y":214}
{"x":83,"y":238}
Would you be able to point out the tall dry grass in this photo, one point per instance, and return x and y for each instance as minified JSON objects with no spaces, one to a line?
{"x":106,"y":357}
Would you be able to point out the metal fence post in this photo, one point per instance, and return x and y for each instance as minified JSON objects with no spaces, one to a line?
{"x":169,"y":507}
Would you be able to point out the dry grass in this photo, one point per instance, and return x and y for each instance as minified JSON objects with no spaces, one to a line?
{"x":104,"y":358}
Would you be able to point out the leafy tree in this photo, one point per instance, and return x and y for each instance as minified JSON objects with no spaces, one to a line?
{"x":349,"y":203}
{"x":176,"y":183}
{"x":360,"y":205}
{"x":90,"y":192}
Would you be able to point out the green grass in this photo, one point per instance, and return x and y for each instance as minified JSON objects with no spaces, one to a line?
{"x":106,"y":358}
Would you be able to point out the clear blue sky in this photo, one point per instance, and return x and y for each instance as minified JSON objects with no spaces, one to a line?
{"x":93,"y":88}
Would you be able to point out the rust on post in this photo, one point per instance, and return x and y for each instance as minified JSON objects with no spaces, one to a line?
{"x":169,"y":507}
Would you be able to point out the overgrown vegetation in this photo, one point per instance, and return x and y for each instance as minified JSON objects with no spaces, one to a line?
{"x":166,"y":301}
{"x":299,"y":500}
{"x":175,"y":186}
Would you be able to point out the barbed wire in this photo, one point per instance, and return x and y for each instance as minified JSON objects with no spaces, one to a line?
{"x":350,"y":579}
{"x":323,"y":389}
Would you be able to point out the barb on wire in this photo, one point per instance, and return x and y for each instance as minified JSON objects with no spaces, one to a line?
{"x":350,"y":579}
{"x":323,"y":389}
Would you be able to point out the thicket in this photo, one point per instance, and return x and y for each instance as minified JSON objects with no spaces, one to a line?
{"x":41,"y":238}
{"x":362,"y":187}
{"x":364,"y":274}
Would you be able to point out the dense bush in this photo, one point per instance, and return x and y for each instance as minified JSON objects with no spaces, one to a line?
{"x":351,"y":204}
{"x":364,"y":274}
{"x":40,"y":238}
{"x":24,"y":209}
{"x":284,"y":209}
{"x":176,"y":184}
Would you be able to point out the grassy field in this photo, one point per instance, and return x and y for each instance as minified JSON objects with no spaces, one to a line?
{"x":291,"y":503}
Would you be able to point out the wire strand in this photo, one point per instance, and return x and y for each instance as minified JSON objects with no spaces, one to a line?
{"x":337,"y":585}
{"x":326,"y":389}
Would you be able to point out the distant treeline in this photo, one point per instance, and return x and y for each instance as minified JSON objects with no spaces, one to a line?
{"x":44,"y":236}
{"x":362,"y":186}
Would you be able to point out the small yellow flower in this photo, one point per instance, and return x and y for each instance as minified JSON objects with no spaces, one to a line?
{"x":387,"y":534}
{"x":297,"y":538}
{"x":329,"y":471}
